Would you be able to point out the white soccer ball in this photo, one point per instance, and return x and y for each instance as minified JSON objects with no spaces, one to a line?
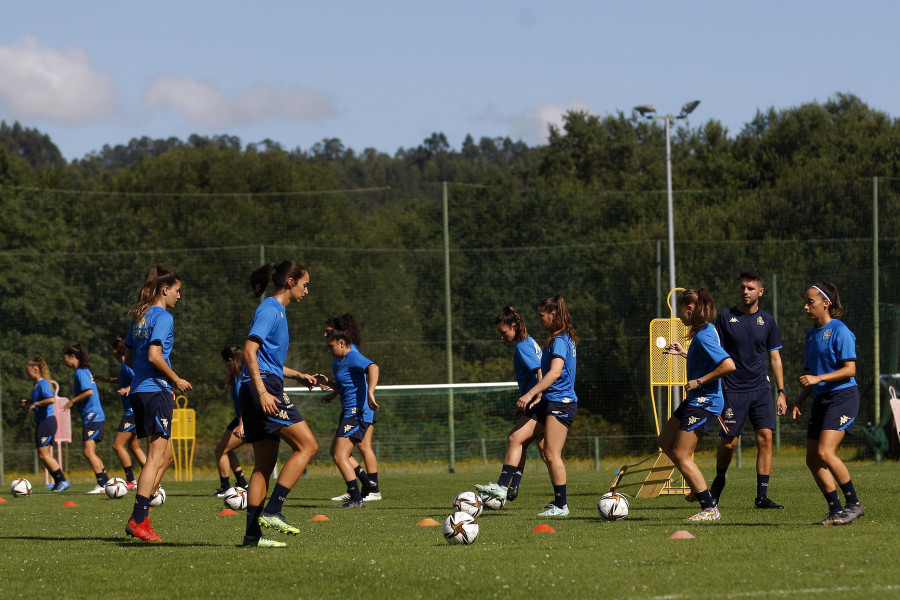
{"x":158,"y":497}
{"x":235,"y":498}
{"x":468,"y":502}
{"x":612,"y":506}
{"x":20,"y":487}
{"x":491,"y":502}
{"x":460,"y":528}
{"x":116,"y":487}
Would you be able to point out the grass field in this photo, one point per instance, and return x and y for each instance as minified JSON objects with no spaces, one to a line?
{"x":48,"y":551}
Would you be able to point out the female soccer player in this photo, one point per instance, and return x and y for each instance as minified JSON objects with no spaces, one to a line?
{"x":126,"y":438}
{"x":267,"y":412}
{"x":41,"y":402}
{"x":558,"y":403}
{"x":368,"y":477}
{"x":698,"y":415}
{"x":233,"y":436}
{"x":830,"y":366}
{"x":147,"y":349}
{"x":355,"y":378}
{"x":530,"y":426}
{"x":87,"y":397}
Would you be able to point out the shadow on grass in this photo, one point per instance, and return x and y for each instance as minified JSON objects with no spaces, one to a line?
{"x":110,"y":540}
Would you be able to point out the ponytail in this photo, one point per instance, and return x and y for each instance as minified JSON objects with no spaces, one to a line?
{"x":348,"y":323}
{"x":117,"y":345}
{"x":235,"y":354}
{"x":510,"y":317}
{"x":562,"y":321}
{"x":80,"y":354}
{"x":276,"y":273}
{"x":40,"y":363}
{"x":157,"y":278}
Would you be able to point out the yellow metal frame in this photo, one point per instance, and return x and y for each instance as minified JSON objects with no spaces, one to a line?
{"x":666,"y":371}
{"x":184,"y":436}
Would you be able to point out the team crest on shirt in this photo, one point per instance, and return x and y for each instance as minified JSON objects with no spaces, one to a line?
{"x":844,"y":419}
{"x":566,"y":400}
{"x":729,"y":414}
{"x":827,"y":334}
{"x":760,"y":321}
{"x":692,"y":420}
{"x":90,"y":416}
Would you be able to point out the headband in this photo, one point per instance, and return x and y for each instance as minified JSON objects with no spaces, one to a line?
{"x":815,"y":287}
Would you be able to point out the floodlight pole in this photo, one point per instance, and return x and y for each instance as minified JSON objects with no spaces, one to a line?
{"x":648,"y":110}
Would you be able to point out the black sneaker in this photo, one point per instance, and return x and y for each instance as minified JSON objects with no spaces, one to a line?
{"x":353,"y":504}
{"x":715,"y":490}
{"x":850,"y":513}
{"x":512,"y":493}
{"x":832,"y":518}
{"x":765,"y":502}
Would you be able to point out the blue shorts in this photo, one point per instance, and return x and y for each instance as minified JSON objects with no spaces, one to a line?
{"x":835,"y":411}
{"x":739,"y":406}
{"x":696,"y":419}
{"x":352,"y":428}
{"x":257,"y":424}
{"x":92,"y":432}
{"x":127,"y":424}
{"x":153,"y":413}
{"x":564,"y":412}
{"x":45,"y":432}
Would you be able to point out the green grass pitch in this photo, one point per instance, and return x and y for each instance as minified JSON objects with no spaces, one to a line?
{"x":47,"y":551}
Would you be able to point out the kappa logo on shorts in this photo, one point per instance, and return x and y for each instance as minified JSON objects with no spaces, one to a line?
{"x":165,"y":423}
{"x":734,"y":320}
{"x":353,"y":411}
{"x":282,"y":414}
{"x":566,"y":400}
{"x":127,"y":425}
{"x":692,"y":420}
{"x":91,"y":432}
{"x":759,"y":321}
{"x":844,"y":419}
{"x":44,"y":439}
{"x":559,"y":413}
{"x":347,"y":428}
{"x":729,"y":414}
{"x":701,"y":400}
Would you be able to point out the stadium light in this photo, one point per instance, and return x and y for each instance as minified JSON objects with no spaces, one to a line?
{"x":648,"y":111}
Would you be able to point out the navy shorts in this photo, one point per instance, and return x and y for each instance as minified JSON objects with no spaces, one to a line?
{"x":127,"y":424}
{"x":45,"y":432}
{"x":564,"y":412}
{"x":352,"y":428}
{"x":739,"y":406}
{"x":153,"y":413}
{"x":257,"y":424}
{"x":537,"y":411}
{"x":696,"y":419}
{"x":835,"y":410}
{"x":234,"y":423}
{"x":92,"y":432}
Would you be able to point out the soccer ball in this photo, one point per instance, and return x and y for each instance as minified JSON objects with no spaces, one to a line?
{"x":235,"y":498}
{"x":460,"y":528}
{"x":158,"y":497}
{"x":491,"y":502}
{"x":468,"y":502}
{"x":20,"y":487}
{"x":116,"y":487}
{"x":612,"y":506}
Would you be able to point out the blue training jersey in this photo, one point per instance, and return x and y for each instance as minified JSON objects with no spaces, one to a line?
{"x":234,"y":389}
{"x":90,"y":409}
{"x":270,"y":330}
{"x":157,"y":326}
{"x":827,"y":348}
{"x":748,"y":338}
{"x":563,"y":389}
{"x":126,"y":376}
{"x":351,"y":380}
{"x":704,"y":355}
{"x":40,"y":392}
{"x":526,"y":362}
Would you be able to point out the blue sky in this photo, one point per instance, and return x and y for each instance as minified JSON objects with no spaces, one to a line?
{"x":388,"y":74}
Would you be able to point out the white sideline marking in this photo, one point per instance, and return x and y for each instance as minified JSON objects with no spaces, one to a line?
{"x":752,"y":594}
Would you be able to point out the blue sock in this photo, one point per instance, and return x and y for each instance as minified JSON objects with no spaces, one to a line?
{"x":762,"y":485}
{"x":276,"y":502}
{"x":834,"y":503}
{"x":363,"y":476}
{"x":516,"y":478}
{"x":141,"y":508}
{"x":253,"y":531}
{"x":353,"y":490}
{"x":849,"y":493}
{"x":129,"y":473}
{"x":559,"y":495}
{"x":705,"y":499}
{"x":506,"y":474}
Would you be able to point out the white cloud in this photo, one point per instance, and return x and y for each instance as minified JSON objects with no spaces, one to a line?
{"x":60,"y":85}
{"x":535,"y":125}
{"x":203,"y":104}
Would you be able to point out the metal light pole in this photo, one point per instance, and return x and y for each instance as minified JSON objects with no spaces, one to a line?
{"x":648,"y":110}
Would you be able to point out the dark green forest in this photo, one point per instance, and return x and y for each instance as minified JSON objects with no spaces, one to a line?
{"x":583,"y":215}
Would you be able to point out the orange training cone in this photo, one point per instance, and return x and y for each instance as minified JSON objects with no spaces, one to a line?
{"x":542,"y":528}
{"x":69,"y":503}
{"x":2,"y":500}
{"x":320,"y":518}
{"x":681,"y":535}
{"x":427,"y":523}
{"x":227,"y":512}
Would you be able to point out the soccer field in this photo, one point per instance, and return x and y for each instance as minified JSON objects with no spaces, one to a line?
{"x":380,"y":551}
